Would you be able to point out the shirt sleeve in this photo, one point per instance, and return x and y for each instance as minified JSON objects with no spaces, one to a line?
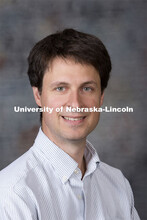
{"x":134,"y":213}
{"x":12,"y":207}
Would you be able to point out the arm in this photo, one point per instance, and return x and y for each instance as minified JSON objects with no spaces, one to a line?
{"x":12,"y":207}
{"x":134,"y":213}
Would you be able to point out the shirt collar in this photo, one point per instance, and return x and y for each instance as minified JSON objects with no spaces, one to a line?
{"x":91,"y":157}
{"x":63,"y":164}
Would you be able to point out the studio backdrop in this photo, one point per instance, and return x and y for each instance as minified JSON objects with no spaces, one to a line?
{"x":121,"y":137}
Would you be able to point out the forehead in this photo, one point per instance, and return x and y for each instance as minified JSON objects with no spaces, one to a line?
{"x":67,"y":68}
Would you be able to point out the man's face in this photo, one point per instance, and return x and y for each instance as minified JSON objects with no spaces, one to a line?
{"x":69,"y":84}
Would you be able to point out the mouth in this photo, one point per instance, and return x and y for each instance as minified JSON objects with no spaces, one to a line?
{"x":74,"y":120}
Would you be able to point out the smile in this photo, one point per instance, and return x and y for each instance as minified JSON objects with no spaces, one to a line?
{"x":73,"y":119}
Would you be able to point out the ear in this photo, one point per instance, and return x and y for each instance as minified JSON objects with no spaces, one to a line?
{"x":37,"y":96}
{"x":101,"y":99}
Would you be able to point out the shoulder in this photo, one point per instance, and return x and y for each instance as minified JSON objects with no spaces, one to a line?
{"x":111,"y":173}
{"x":109,"y":169}
{"x":18,"y":170}
{"x":13,"y":187}
{"x":114,"y":178}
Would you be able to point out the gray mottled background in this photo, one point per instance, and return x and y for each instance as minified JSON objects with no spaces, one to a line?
{"x":120,"y":138}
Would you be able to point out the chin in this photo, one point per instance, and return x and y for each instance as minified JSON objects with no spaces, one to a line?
{"x":73,"y":139}
{"x":76,"y":137}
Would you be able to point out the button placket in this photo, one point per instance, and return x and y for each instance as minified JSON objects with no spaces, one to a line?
{"x":78,"y":173}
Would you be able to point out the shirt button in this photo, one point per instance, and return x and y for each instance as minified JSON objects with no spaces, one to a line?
{"x":64,"y":178}
{"x":76,"y":171}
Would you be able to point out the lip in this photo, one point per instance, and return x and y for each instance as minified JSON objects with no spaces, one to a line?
{"x":74,"y":120}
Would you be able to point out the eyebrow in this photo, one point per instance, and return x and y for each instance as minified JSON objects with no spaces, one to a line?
{"x":89,"y":82}
{"x":57,"y":83}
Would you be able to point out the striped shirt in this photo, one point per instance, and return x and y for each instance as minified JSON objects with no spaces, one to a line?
{"x":45,"y":184}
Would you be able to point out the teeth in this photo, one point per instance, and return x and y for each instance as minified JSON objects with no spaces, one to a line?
{"x":73,"y":119}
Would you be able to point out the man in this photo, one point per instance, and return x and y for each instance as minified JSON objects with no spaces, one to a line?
{"x":61,"y":176}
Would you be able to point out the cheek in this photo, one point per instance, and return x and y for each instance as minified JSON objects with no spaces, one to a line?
{"x":91,"y":102}
{"x":52,"y":101}
{"x":95,"y":116}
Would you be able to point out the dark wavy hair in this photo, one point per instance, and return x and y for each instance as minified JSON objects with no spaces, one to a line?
{"x":69,"y":43}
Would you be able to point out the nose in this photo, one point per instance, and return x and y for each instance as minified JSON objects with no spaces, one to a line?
{"x":75,"y":99}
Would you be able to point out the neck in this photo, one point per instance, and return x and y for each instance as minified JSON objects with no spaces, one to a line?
{"x":74,"y":149}
{"x":83,"y":167}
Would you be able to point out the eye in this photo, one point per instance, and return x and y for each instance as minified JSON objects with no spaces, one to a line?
{"x":60,"y":89}
{"x":87,"y":89}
